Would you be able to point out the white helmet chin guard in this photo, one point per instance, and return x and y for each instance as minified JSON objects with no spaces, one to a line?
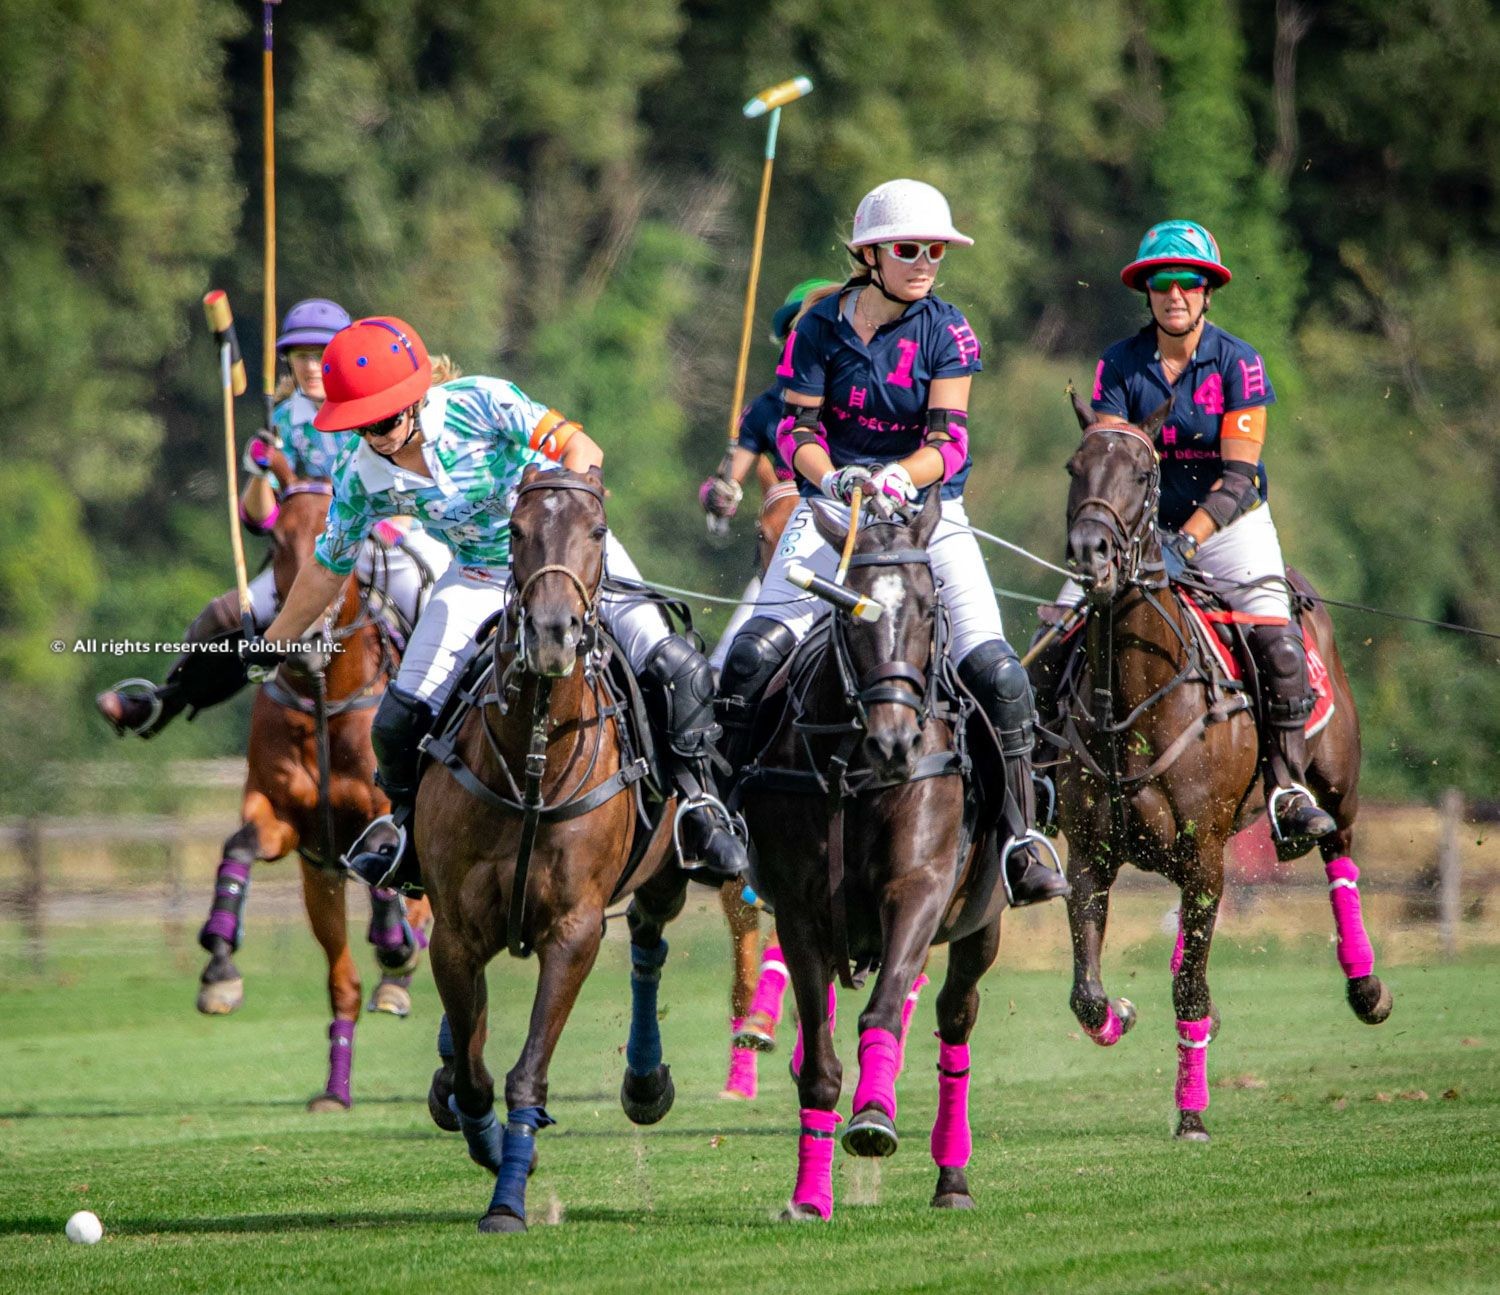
{"x":901,"y":209}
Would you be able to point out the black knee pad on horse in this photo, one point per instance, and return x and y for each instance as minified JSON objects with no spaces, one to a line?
{"x":1281,"y":656}
{"x":994,"y":674}
{"x":678,"y":685}
{"x":400,"y":723}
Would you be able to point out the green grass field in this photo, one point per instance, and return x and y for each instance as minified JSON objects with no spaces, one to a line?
{"x":1328,"y":1172}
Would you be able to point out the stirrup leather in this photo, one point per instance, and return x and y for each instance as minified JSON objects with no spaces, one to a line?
{"x":385,"y":820}
{"x":733,"y":823}
{"x":141,"y":688}
{"x":1272,"y":801}
{"x":1032,"y":837}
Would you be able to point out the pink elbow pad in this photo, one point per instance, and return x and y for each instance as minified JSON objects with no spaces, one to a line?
{"x":786,"y":445}
{"x":262,"y":527}
{"x":954,"y":447}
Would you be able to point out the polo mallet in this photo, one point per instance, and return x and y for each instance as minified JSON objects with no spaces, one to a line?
{"x":767,"y":101}
{"x":268,"y":185}
{"x":835,"y":591}
{"x":233,"y":379}
{"x":1063,"y":628}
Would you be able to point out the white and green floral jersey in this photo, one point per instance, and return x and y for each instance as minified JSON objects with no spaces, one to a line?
{"x":476,"y":444}
{"x":310,"y":452}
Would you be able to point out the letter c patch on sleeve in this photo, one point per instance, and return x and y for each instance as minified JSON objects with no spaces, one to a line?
{"x":1244,"y":425}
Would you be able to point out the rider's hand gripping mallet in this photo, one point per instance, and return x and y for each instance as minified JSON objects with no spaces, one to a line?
{"x":767,"y":101}
{"x":232,"y":378}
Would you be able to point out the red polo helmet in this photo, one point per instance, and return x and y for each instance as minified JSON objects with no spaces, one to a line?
{"x":372,"y":370}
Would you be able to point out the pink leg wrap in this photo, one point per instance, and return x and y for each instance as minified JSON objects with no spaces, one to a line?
{"x":742,"y":1068}
{"x":1356,"y":956}
{"x":1108,"y":1034}
{"x":771,"y":985}
{"x":815,"y":1161}
{"x":878,"y":1054}
{"x":1177,"y":948}
{"x":951,"y":1141}
{"x":1192,"y":1064}
{"x":833,"y":1020}
{"x":908,"y":1010}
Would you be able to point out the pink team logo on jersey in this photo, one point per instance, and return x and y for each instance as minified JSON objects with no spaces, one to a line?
{"x":1253,"y":378}
{"x":1099,"y":383}
{"x":1169,"y":434}
{"x":900,"y":376}
{"x":1210,"y":394}
{"x":784,"y":369}
{"x":968,"y":344}
{"x":857,"y":396}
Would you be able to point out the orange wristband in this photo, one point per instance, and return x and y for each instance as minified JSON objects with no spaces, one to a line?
{"x":552,"y":434}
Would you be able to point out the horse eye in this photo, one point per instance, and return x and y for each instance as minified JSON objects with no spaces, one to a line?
{"x":1070,"y":468}
{"x":517,"y":535}
{"x":599,"y":532}
{"x":1142,"y":477}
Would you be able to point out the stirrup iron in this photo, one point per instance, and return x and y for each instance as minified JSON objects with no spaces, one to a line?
{"x":733,"y":823}
{"x":1031,"y":837}
{"x":386,"y":878}
{"x":1291,"y":789}
{"x":141,"y":688}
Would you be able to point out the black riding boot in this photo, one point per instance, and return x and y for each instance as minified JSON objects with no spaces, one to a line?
{"x":756,"y":654}
{"x":994,"y":674}
{"x":678,"y":685}
{"x":1046,"y":674}
{"x":383,"y":856}
{"x":196,"y":679}
{"x":1286,"y":701}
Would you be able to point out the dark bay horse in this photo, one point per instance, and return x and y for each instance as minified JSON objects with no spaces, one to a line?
{"x":289,"y":804}
{"x":856,"y":806}
{"x":544,"y":780}
{"x":1161,"y":755}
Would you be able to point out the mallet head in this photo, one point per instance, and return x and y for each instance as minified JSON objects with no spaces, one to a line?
{"x":778,"y":96}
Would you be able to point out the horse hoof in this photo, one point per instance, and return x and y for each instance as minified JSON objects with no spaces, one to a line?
{"x":871,"y":1133}
{"x":1370,"y":999}
{"x":646,"y":1098}
{"x":1125,"y":1010}
{"x":391,"y":998}
{"x":953,"y":1201}
{"x":327,"y":1102}
{"x":753,"y":1036}
{"x":221,"y":997}
{"x":799,"y":1213}
{"x":1190,"y":1127}
{"x":501,"y":1220}
{"x":437,"y":1105}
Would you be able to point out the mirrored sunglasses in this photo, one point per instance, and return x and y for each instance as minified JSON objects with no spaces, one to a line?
{"x":383,"y":428}
{"x":907,"y":251}
{"x":1166,"y":280}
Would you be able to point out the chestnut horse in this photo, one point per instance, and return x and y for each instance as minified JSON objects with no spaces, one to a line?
{"x":1160,"y":756}
{"x":283,"y":808}
{"x":545,"y":721}
{"x":856,"y":806}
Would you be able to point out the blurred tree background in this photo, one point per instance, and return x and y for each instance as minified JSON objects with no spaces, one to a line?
{"x":563,"y":195}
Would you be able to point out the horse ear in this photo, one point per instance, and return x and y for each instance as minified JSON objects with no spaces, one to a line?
{"x":530,"y":474}
{"x":1153,"y":424}
{"x":829,"y":529}
{"x":1084,"y":413}
{"x":928,"y":518}
{"x":596,"y":472}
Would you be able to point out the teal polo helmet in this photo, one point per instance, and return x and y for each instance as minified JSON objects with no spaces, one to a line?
{"x":1176,"y":242}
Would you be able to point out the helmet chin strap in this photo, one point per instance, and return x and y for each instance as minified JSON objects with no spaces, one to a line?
{"x":1186,"y":332}
{"x":878,"y":280}
{"x":391,"y":457}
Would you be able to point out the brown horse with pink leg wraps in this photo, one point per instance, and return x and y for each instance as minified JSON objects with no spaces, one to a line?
{"x":289,"y":805}
{"x":1160,"y":750}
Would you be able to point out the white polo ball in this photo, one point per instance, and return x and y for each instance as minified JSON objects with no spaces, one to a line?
{"x":84,"y":1228}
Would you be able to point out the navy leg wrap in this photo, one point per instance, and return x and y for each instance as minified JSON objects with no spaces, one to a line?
{"x":643,"y":1051}
{"x":482,"y":1135}
{"x":445,"y":1040}
{"x":521,"y":1127}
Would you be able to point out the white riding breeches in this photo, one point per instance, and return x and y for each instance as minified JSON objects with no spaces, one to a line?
{"x":394,"y":571}
{"x":957,"y":566}
{"x":468,"y":596}
{"x":741,"y":614}
{"x":1246,"y":551}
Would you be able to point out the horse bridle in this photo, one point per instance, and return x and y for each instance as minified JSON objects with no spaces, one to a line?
{"x":590,"y":596}
{"x":1130,"y":540}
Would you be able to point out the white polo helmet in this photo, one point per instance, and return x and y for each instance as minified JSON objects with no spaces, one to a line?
{"x":904,"y":209}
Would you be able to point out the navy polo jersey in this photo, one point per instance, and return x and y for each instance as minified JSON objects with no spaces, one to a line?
{"x":1223,"y":375}
{"x":758,"y":424}
{"x":875,"y":397}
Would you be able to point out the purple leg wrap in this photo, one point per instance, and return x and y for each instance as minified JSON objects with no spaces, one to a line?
{"x":340,"y":1059}
{"x":1192,"y":1064}
{"x":389,"y":930}
{"x":908,"y":1010}
{"x":815,"y":1161}
{"x":1356,"y":956}
{"x":878,"y":1058}
{"x":224,"y":920}
{"x":951,"y":1140}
